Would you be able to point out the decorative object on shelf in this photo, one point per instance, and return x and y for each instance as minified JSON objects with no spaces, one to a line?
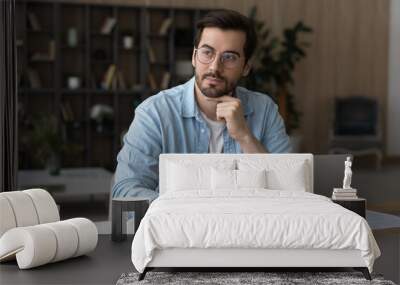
{"x":347,"y":192}
{"x":347,"y":174}
{"x":74,"y":82}
{"x":103,"y":116}
{"x":274,"y":63}
{"x":127,"y":42}
{"x":108,"y":26}
{"x":72,"y":39}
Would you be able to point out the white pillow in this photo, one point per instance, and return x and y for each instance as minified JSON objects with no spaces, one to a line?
{"x":251,"y":178}
{"x":186,"y":175}
{"x":281,"y":174}
{"x":223,"y":179}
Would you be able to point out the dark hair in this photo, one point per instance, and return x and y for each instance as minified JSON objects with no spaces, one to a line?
{"x":229,"y":20}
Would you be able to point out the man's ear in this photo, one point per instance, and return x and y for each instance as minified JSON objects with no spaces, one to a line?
{"x":194,"y":57}
{"x":247,"y":68}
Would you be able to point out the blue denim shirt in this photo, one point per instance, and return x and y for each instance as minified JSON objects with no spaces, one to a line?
{"x":171,"y":122}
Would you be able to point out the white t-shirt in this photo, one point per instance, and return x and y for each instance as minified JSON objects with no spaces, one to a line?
{"x":216,"y":144}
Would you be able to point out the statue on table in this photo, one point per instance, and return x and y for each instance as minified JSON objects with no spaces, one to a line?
{"x":347,"y":173}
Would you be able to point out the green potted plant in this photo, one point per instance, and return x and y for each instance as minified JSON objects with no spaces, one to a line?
{"x":47,"y":142}
{"x":274,"y":62}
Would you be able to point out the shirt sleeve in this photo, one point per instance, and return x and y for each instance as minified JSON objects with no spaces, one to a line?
{"x":276,"y":139}
{"x":137,"y":170}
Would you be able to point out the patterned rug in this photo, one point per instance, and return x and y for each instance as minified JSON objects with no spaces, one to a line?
{"x":243,"y":278}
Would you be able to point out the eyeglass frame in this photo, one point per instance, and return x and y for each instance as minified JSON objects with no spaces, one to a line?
{"x":215,"y":54}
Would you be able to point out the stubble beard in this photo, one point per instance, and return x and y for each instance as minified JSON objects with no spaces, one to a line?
{"x":212,"y":91}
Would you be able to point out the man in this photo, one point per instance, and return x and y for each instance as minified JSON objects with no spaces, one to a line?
{"x":209,"y":113}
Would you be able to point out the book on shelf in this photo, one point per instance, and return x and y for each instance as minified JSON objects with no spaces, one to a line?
{"x":108,"y":25}
{"x":118,"y":81}
{"x":108,"y":77}
{"x":151,"y":54}
{"x":34,"y":79}
{"x":66,"y":112}
{"x":165,"y":80}
{"x":165,"y":25}
{"x":121,"y":80}
{"x":49,"y":56}
{"x":34,"y":22}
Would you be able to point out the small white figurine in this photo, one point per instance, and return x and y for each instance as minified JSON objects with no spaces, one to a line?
{"x":347,"y":173}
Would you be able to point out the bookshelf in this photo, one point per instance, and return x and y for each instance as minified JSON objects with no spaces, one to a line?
{"x":73,"y":57}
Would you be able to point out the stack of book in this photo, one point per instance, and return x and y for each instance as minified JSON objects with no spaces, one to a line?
{"x":344,"y":194}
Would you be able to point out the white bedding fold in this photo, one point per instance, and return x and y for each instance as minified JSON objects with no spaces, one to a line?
{"x":253,"y":218}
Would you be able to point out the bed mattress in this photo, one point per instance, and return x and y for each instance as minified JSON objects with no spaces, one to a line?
{"x":250,"y":219}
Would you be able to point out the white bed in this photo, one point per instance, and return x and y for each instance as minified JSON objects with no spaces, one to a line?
{"x":201,"y":219}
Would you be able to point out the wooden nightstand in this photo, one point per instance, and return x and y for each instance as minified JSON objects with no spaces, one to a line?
{"x":358,"y":205}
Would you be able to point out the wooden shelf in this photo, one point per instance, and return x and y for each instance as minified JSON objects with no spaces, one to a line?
{"x":37,"y":90}
{"x":132,"y":65}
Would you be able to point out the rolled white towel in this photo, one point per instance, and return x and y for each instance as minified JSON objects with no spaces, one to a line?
{"x":40,"y":244}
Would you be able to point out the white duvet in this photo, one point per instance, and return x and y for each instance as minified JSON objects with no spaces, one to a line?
{"x":253,"y":218}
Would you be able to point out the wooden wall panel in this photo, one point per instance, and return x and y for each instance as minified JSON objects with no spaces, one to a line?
{"x":348,"y":53}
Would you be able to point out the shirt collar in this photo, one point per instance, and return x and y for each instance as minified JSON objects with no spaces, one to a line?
{"x":189,"y":104}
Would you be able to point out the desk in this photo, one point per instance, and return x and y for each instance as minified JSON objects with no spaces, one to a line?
{"x":102,"y":266}
{"x":70,"y":184}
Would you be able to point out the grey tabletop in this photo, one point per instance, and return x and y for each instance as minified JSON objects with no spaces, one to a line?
{"x":102,"y":266}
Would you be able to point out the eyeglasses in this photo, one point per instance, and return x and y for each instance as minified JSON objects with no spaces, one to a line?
{"x":207,"y":55}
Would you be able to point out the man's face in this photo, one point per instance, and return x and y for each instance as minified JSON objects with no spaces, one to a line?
{"x":218,"y":78}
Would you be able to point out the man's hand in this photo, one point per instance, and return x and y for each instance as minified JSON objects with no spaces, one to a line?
{"x":229,"y":109}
